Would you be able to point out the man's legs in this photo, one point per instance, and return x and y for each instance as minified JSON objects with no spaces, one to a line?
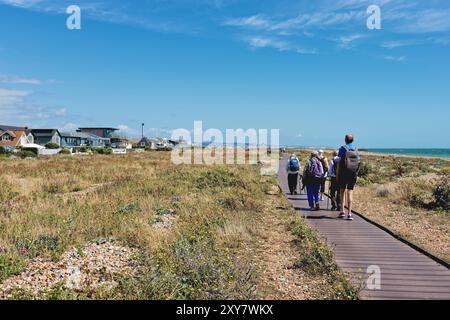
{"x":295,"y":183}
{"x":316,"y":189}
{"x":309,"y":191}
{"x":322,"y":188}
{"x":338,"y":197}
{"x":349,"y":201}
{"x":342,"y":199}
{"x":333,"y":192}
{"x":290,"y":183}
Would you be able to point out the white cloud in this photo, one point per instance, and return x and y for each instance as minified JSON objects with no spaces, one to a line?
{"x":266,"y":42}
{"x":10,"y":98}
{"x":257,"y":21}
{"x":348,"y":41}
{"x":126,"y":129}
{"x":19,"y":80}
{"x":61,"y":112}
{"x":69,"y":127}
{"x":398,"y":43}
{"x":21,"y":3}
{"x":393,"y":58}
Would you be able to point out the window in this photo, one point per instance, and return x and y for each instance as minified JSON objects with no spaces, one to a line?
{"x":7,"y":137}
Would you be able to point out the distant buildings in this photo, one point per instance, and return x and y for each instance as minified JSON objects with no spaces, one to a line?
{"x":26,"y":130}
{"x":100,"y":131}
{"x":83,"y":139}
{"x":147,"y":143}
{"x":14,"y":137}
{"x":45,"y":136}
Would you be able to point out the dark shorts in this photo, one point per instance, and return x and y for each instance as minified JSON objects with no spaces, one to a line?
{"x":347,"y":181}
{"x":322,"y":184}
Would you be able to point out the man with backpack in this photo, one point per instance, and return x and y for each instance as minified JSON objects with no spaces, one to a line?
{"x":312,"y":175}
{"x":292,"y":169}
{"x":347,"y":174}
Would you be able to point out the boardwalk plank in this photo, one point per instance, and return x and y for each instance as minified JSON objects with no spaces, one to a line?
{"x":405,"y":272}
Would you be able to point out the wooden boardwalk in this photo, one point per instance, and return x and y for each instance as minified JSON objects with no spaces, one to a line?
{"x":404,"y":272}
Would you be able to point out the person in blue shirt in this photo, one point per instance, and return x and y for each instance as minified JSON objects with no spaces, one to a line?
{"x":346,"y":179}
{"x":293,"y":168}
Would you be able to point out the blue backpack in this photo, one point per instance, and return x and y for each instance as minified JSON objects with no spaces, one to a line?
{"x":294,"y":165}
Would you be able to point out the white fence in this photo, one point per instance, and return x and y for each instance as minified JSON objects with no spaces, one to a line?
{"x":48,"y":152}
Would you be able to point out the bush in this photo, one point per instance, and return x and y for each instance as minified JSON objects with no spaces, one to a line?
{"x":52,"y":145}
{"x":26,"y":154}
{"x":384,"y":191}
{"x":105,"y":150}
{"x":400,"y":169}
{"x":364,"y":170}
{"x":441,"y":194}
{"x":8,"y":267}
{"x":34,"y":150}
{"x":4,"y":151}
{"x":65,"y":151}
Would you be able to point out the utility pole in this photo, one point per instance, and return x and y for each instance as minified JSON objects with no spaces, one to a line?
{"x":143,"y":130}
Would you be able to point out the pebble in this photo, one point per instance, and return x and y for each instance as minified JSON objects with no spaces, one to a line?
{"x":92,"y":270}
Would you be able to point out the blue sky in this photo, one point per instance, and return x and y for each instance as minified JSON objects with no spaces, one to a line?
{"x":309,"y":68}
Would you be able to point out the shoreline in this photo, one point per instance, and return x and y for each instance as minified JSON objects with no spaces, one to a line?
{"x":381,"y":154}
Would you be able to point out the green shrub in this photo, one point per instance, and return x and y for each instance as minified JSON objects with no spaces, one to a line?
{"x":52,"y":145}
{"x":47,"y":242}
{"x":219,"y":178}
{"x":6,"y":191}
{"x":364,"y":170}
{"x":52,"y":188}
{"x":26,"y":154}
{"x":65,"y":151}
{"x":400,"y":169}
{"x":441,"y":194}
{"x":8,"y":267}
{"x":105,"y":150}
{"x":128,"y":208}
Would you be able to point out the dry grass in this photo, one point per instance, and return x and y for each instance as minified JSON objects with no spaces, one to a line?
{"x":402,"y":207}
{"x":193,"y":225}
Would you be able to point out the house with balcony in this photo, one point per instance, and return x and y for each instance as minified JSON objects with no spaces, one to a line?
{"x":103,"y":132}
{"x":83,"y":139}
{"x":44,"y":136}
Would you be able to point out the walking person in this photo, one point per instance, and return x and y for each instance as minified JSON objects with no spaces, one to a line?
{"x":334,"y":185}
{"x":323,"y":181}
{"x":347,"y":173}
{"x":313,"y":174}
{"x":293,"y":168}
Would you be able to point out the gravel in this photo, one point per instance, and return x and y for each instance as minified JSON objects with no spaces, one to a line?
{"x":88,"y":268}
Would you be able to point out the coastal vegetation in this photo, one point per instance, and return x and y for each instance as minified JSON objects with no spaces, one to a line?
{"x":136,"y":226}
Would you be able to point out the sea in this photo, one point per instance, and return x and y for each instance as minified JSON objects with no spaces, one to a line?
{"x":438,"y":153}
